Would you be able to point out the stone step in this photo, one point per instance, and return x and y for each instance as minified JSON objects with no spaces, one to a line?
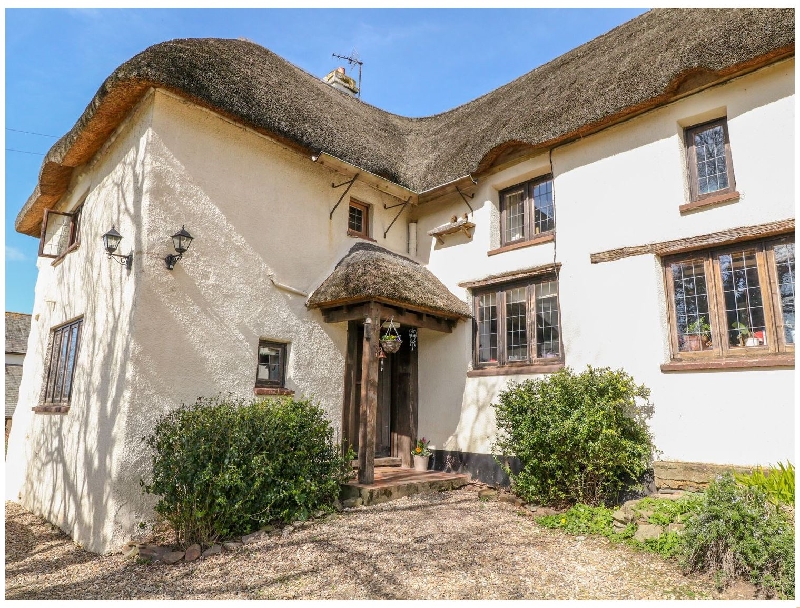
{"x":384,"y":490}
{"x":388,"y":461}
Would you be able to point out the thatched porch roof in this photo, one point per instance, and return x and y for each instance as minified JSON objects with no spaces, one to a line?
{"x":369,"y":272}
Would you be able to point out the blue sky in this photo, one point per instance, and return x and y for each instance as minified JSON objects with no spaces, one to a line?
{"x":417,"y":62}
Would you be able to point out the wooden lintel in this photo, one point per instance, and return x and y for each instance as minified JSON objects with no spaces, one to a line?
{"x":417,"y":319}
{"x":341,"y":314}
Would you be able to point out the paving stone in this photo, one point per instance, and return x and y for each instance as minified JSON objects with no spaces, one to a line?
{"x":511,"y":499}
{"x":252,"y":538}
{"x":192,"y":553}
{"x":212,"y":550}
{"x":647,"y":531}
{"x":173,"y":557}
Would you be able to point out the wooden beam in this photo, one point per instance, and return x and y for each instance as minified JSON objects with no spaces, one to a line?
{"x":357,"y":312}
{"x":417,"y":319}
{"x":692,"y":243}
{"x":369,"y":398}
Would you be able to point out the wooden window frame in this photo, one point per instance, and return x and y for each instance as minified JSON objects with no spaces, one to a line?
{"x":364,"y":207}
{"x":261,"y":383}
{"x":532,"y":363}
{"x":73,"y":238}
{"x":57,"y":364}
{"x":776,"y":352}
{"x":717,"y":196}
{"x":528,"y":229}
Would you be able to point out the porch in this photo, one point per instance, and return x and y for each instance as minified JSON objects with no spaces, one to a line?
{"x":391,"y":483}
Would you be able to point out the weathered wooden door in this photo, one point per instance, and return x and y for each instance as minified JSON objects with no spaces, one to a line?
{"x":396,"y":420}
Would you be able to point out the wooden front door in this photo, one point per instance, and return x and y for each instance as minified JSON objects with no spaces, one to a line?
{"x":396,"y":419}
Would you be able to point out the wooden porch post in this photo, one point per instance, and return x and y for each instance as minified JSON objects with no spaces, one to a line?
{"x":369,"y":397}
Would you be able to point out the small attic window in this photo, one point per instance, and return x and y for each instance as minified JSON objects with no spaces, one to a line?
{"x":358,"y":219}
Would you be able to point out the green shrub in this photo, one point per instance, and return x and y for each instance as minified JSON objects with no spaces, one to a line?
{"x":578,"y":437}
{"x":226,"y":467}
{"x":738,"y":532}
{"x":665,"y":511}
{"x":777,"y":483}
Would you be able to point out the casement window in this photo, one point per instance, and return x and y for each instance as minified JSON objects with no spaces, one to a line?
{"x":517,"y":324}
{"x":527,"y":211}
{"x":358,"y":219}
{"x":60,"y":233}
{"x":271,"y":364}
{"x":708,"y":153}
{"x":60,"y":367}
{"x":732,"y":302}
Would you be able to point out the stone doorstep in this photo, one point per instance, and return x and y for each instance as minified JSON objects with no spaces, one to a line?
{"x":384,"y":492}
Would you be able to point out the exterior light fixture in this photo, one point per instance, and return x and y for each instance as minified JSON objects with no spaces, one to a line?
{"x":181,"y":241}
{"x":111,"y":241}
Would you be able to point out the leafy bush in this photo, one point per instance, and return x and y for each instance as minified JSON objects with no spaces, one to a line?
{"x":738,"y":532}
{"x":579,"y":437}
{"x":665,"y":511}
{"x":777,"y":483}
{"x":226,"y":467}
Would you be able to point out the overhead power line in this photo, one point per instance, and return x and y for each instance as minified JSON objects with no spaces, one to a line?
{"x":31,"y":133}
{"x":24,"y":151}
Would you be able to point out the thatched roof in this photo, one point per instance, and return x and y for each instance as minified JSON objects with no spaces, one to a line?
{"x":18,"y":326}
{"x":650,"y":60}
{"x":369,"y":272}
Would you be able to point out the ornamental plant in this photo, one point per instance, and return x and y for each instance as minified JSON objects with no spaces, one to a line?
{"x":226,"y":467}
{"x":421,"y":449}
{"x":738,"y":533}
{"x":579,"y":438}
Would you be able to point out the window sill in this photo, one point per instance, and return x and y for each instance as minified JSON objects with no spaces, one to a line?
{"x":512,"y":370}
{"x":271,"y":390}
{"x":358,"y":235}
{"x":51,"y":409}
{"x":710,"y":201}
{"x":67,"y":251}
{"x":547,"y":237}
{"x":786,"y":361}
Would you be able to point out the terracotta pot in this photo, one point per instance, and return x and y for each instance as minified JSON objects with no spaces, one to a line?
{"x":421,"y":463}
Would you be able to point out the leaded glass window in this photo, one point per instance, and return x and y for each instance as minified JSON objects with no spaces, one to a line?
{"x":744,"y":304}
{"x":517,"y":323}
{"x":527,"y":210}
{"x":784,"y":267}
{"x":691,"y":305}
{"x":64,"y":343}
{"x":709,"y":158}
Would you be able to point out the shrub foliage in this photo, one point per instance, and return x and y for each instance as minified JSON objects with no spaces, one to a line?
{"x":777,"y":483}
{"x":226,"y":467}
{"x":738,"y":532}
{"x":579,"y":437}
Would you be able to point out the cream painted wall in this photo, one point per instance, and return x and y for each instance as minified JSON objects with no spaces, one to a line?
{"x":66,"y":467}
{"x":623,"y":187}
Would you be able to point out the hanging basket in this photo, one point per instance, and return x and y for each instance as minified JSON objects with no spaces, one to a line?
{"x":390,"y":340}
{"x":391,"y":346}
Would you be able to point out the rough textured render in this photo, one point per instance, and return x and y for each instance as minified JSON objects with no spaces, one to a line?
{"x":18,"y":326}
{"x":650,"y":60}
{"x":370,"y":272}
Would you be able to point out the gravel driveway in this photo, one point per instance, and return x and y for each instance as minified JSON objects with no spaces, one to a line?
{"x":443,"y":546}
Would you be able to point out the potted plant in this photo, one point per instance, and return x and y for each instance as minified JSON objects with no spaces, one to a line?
{"x":744,"y":335}
{"x":421,"y":454}
{"x":698,"y":335}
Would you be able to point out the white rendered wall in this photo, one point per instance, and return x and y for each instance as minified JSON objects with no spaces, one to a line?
{"x":623,"y":187}
{"x":66,"y":466}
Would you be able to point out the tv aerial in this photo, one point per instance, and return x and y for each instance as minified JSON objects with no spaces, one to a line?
{"x":353,"y":59}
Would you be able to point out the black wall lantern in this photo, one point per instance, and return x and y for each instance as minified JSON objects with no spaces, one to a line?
{"x":181,"y":241}
{"x":111,"y":241}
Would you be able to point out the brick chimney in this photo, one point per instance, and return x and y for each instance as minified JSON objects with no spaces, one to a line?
{"x":340,"y":81}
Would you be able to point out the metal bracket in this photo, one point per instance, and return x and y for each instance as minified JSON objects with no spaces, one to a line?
{"x":408,"y":200}
{"x":341,"y":198}
{"x":393,"y":206}
{"x":464,"y":196}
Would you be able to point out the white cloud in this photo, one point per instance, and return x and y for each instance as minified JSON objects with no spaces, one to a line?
{"x":14,"y":255}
